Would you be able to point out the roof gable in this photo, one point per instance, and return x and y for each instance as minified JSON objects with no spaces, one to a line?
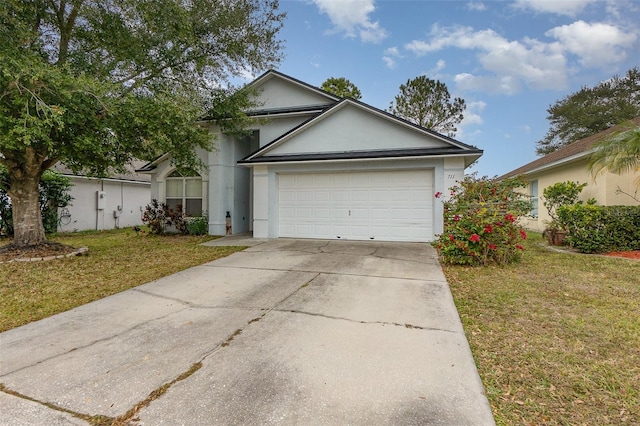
{"x":574,"y":151}
{"x":277,"y":91}
{"x":352,"y":129}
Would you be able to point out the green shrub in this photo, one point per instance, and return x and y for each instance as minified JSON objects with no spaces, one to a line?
{"x":601,"y":229}
{"x":481,"y":222}
{"x":560,"y":194}
{"x":54,"y":195}
{"x":198,"y":225}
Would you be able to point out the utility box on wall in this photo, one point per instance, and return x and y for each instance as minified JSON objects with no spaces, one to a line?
{"x":101,"y":196}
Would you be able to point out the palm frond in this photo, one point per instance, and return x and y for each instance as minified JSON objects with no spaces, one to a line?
{"x":618,"y":153}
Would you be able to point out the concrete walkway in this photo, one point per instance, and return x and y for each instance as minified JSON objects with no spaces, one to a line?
{"x":302,"y":332}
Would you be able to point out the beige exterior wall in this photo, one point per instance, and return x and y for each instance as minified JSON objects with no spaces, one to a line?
{"x":603,"y":188}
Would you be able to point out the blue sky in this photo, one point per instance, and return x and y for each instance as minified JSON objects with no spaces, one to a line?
{"x":509,"y":60}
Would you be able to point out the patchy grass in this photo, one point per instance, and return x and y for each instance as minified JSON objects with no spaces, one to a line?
{"x":117,"y":260}
{"x":556,"y":338}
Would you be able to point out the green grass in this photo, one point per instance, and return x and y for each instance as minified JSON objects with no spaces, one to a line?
{"x":117,"y":260}
{"x":556,"y":337}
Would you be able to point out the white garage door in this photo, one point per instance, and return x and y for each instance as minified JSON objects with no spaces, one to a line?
{"x":388,"y":206}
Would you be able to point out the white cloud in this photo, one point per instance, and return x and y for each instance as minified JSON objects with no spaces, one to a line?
{"x":472,"y":113}
{"x":491,"y":84}
{"x":352,"y":18}
{"x":389,"y":62}
{"x":559,"y":7}
{"x":595,"y":44}
{"x":390,"y":55}
{"x":472,"y":117}
{"x":476,"y":6}
{"x":510,"y":65}
{"x":434,"y":73}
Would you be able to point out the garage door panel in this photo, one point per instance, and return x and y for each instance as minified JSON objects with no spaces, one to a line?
{"x":359,"y":214}
{"x":389,"y":205}
{"x":322,"y":213}
{"x":286,"y":195}
{"x":360,"y":195}
{"x":322,"y":196}
{"x":340,"y":195}
{"x":339,"y":214}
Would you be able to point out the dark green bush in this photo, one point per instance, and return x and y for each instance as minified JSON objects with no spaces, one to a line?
{"x":198,"y":225}
{"x":601,"y":229}
{"x":54,"y":195}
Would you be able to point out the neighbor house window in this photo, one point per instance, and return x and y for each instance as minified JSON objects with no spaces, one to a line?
{"x":533,"y":193}
{"x":184,"y":191}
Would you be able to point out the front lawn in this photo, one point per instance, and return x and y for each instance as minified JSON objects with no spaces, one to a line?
{"x":117,"y":260}
{"x":556,"y":337}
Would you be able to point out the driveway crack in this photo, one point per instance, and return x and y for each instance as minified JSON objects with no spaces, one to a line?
{"x":395,"y":324}
{"x":91,"y":343}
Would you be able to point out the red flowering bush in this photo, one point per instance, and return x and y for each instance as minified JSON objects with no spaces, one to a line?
{"x":481,"y":222}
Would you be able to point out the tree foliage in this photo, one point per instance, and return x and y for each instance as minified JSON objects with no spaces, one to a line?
{"x":619,"y":153}
{"x":342,"y":87}
{"x":591,"y":110}
{"x":94,"y":84}
{"x":427,"y":103}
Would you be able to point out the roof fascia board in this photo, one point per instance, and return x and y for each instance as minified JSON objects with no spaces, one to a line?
{"x":141,"y":182}
{"x":558,"y":163}
{"x":277,"y":114}
{"x":343,"y":160}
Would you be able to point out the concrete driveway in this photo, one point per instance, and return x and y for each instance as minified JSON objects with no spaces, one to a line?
{"x":288,"y":331}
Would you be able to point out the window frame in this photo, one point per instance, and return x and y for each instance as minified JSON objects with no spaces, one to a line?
{"x":535,"y":197}
{"x":183,"y":177}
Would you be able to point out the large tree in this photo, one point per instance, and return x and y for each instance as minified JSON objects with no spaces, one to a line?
{"x":342,"y":87}
{"x":95,"y":83}
{"x":428,"y":103}
{"x":591,"y":110}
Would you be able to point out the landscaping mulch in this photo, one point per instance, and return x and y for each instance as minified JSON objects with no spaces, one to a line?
{"x":635,"y":254}
{"x":47,"y":250}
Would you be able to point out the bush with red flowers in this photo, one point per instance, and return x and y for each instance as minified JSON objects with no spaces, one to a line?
{"x":481,"y":222}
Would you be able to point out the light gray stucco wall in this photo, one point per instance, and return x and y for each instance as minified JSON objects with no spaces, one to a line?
{"x":353,"y":129}
{"x":123,"y":201}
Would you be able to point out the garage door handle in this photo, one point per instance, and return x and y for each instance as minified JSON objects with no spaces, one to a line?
{"x":349,"y":212}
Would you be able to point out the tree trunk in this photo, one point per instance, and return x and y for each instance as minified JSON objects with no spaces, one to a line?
{"x":23,"y":191}
{"x":27,"y":220}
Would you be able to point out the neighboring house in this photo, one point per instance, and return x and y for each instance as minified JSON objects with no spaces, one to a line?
{"x":105,"y":203}
{"x":319,"y":166}
{"x":571,"y":163}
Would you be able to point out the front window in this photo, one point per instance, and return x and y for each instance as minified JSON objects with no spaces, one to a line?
{"x":184,"y":192}
{"x":533,"y":193}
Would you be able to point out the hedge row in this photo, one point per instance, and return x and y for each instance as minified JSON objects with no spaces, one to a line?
{"x":601,"y":229}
